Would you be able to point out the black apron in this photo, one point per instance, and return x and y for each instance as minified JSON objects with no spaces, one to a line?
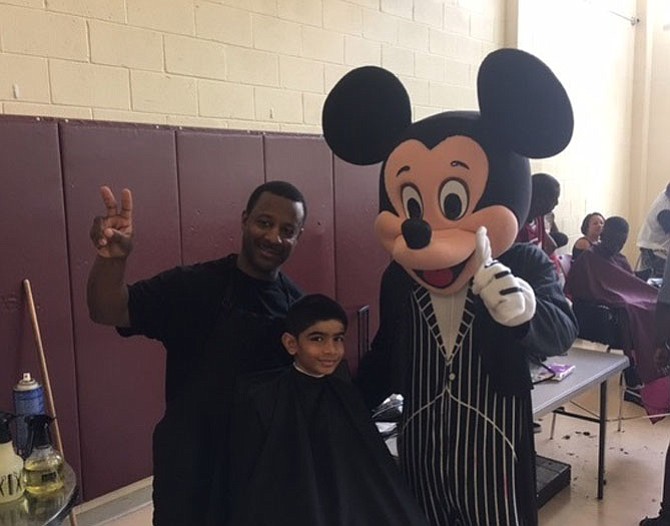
{"x":191,"y":441}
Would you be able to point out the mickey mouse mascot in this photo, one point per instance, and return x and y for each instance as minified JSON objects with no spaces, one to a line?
{"x":457,"y":327}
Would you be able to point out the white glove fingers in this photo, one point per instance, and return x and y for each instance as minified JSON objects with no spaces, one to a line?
{"x":500,"y":290}
{"x":509,"y":300}
{"x":482,"y":247}
{"x":487,"y":274}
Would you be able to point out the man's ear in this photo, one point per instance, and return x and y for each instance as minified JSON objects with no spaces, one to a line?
{"x":290,"y":343}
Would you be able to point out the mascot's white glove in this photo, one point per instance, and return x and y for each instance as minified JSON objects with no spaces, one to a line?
{"x":509,"y":300}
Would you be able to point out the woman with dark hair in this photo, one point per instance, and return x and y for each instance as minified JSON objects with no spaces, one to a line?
{"x":592,"y":226}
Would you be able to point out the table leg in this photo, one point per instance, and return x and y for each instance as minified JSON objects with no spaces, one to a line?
{"x":601,"y":438}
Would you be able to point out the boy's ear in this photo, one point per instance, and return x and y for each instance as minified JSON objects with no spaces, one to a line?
{"x":290,"y":343}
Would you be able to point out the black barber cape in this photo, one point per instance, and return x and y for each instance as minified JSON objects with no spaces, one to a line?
{"x":304,"y":451}
{"x":216,"y":323}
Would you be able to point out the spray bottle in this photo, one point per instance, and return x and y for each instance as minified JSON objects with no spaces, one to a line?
{"x":43,"y":468}
{"x":28,"y":400}
{"x":11,"y":464}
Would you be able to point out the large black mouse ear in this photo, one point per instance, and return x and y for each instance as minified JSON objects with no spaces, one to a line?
{"x":364,"y":114}
{"x":525,"y":103}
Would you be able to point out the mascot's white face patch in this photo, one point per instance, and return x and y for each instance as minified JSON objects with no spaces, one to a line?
{"x":441,"y":188}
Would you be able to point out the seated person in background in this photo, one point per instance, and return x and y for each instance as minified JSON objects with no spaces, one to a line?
{"x":592,"y":226}
{"x":544,"y":198}
{"x":654,"y":237}
{"x":304,"y":450}
{"x":602,"y":275}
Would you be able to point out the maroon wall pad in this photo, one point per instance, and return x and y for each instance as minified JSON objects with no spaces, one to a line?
{"x":360,"y":258}
{"x":217,"y":172}
{"x":34,"y":243}
{"x":120,"y":381}
{"x":306,"y":162}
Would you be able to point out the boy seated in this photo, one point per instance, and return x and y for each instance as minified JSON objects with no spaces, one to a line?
{"x":304,"y":450}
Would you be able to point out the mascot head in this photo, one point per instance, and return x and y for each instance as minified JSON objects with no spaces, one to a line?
{"x":445,"y":176}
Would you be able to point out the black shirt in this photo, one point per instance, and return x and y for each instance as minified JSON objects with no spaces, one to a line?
{"x":215,"y":323}
{"x":179,"y":307}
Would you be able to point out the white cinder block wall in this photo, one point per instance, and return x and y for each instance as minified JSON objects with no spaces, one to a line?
{"x":268,"y":64}
{"x":592,"y":50}
{"x":243,"y":64}
{"x":616,"y":73}
{"x":655,"y":146}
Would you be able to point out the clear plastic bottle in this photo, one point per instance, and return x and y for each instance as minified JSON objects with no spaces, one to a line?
{"x":11,"y":464}
{"x":43,"y":469}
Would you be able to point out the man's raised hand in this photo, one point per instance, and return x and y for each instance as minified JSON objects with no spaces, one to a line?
{"x":112,"y":234}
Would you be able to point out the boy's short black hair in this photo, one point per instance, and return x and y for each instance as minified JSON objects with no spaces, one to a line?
{"x":614,"y":234}
{"x":311,"y":309}
{"x":280,"y":188}
{"x":616,"y":224}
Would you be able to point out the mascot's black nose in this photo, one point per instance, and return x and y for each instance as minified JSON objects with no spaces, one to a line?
{"x":416,"y":233}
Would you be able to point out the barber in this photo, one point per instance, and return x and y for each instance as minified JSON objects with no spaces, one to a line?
{"x":217,"y":319}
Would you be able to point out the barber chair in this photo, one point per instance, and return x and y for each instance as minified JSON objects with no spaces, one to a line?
{"x":603,"y":324}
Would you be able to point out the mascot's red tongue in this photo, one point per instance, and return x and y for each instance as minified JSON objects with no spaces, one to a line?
{"x":438,"y":278}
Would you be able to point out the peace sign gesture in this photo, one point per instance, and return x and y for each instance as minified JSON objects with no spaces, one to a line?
{"x":112,"y":234}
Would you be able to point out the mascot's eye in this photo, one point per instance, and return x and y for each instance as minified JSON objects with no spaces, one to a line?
{"x":453,"y":199}
{"x":411,"y":200}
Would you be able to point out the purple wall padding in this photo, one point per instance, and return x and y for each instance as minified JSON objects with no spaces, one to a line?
{"x":32,"y":230}
{"x":360,"y":258}
{"x":306,"y":162}
{"x":119,"y":381}
{"x":217,"y":172}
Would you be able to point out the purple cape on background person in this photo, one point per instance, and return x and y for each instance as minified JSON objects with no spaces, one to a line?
{"x":596,"y":278}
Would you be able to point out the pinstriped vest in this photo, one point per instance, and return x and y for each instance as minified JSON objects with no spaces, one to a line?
{"x":458,"y":443}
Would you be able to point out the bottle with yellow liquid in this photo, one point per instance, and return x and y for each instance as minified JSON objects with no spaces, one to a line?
{"x":43,"y":468}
